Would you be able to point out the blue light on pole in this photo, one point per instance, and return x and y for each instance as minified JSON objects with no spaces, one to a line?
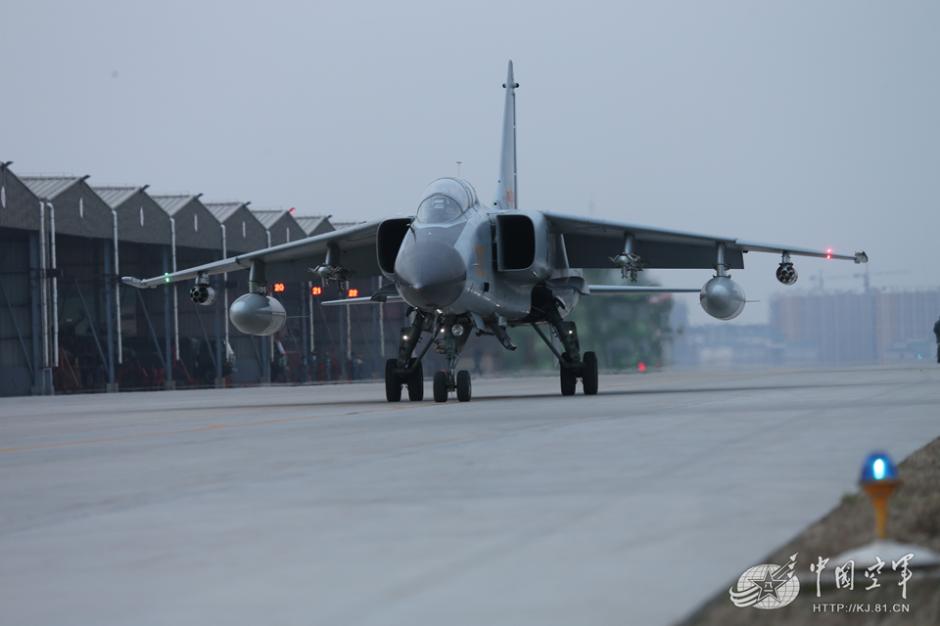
{"x":879,"y":480}
{"x":878,"y":467}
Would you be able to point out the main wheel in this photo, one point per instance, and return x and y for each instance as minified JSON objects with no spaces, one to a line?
{"x":392,"y":381}
{"x":440,"y":386}
{"x":589,"y":373}
{"x":569,"y":380}
{"x":416,"y":383}
{"x":463,"y":386}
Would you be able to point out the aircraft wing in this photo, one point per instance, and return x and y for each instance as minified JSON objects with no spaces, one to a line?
{"x":387,"y":293}
{"x":356,"y":246}
{"x":591,"y":243}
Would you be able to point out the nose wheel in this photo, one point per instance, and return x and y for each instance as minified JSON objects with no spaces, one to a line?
{"x":444,"y":384}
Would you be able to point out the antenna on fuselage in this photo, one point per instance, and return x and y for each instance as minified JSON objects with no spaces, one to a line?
{"x":459,"y":163}
{"x":507,"y":192}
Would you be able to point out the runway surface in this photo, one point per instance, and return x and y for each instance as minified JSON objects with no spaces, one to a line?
{"x":324,"y":505}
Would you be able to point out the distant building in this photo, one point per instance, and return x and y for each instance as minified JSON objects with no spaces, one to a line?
{"x":816,"y":328}
{"x":873,"y":326}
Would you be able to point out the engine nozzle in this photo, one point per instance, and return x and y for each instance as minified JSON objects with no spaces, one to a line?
{"x":722,"y":298}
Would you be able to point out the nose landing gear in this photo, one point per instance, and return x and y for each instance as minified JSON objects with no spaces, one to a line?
{"x":445,"y":382}
{"x":450,"y":341}
{"x":448,"y":334}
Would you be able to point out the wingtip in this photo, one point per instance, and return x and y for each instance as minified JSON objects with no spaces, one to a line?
{"x":132,"y":281}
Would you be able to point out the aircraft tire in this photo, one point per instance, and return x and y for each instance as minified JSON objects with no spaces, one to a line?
{"x":392,"y":381}
{"x":440,"y":386}
{"x":589,"y":373}
{"x":569,"y":381}
{"x":416,"y":383}
{"x":463,"y":386}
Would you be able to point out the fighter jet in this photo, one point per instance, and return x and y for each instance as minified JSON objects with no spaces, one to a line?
{"x":465,"y":267}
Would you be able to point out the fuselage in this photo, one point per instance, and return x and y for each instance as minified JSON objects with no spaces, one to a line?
{"x":448,"y":261}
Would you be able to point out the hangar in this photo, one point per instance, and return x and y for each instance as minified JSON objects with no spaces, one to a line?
{"x":68,"y":325}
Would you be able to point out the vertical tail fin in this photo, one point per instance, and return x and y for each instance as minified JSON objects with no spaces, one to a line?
{"x":507,"y":196}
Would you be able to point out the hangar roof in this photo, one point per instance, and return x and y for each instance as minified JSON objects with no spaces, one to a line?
{"x":224,"y":210}
{"x":243,"y":230}
{"x":173,"y":203}
{"x":196,"y":226}
{"x":49,"y":187}
{"x":268,"y":217}
{"x":115,"y":196}
{"x":280,"y":224}
{"x":140,"y":218}
{"x":18,"y":204}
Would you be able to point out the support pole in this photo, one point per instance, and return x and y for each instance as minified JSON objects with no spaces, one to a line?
{"x":219,"y":312}
{"x":117,"y":289}
{"x":35,"y":316}
{"x":55,"y":287}
{"x":348,"y":364}
{"x":225,"y":292}
{"x":168,"y":381}
{"x":174,"y":287}
{"x":43,"y":291}
{"x":108,"y":318}
{"x":305,"y":333}
{"x":313,"y":340}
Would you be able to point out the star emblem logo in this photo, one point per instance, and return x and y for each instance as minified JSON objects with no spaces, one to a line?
{"x":766,"y":586}
{"x":769,"y":585}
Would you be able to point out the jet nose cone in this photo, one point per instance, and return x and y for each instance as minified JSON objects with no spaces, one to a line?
{"x":430,"y":275}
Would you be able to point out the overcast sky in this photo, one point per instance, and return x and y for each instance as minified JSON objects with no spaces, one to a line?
{"x":810,"y":123}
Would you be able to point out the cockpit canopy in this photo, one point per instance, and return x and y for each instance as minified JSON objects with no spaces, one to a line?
{"x":446,"y":200}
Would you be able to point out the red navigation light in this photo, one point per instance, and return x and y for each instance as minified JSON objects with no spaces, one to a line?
{"x":291,"y":210}
{"x":641,"y":367}
{"x":829,"y":253}
{"x":280,"y":287}
{"x":316,"y":290}
{"x":353,"y":292}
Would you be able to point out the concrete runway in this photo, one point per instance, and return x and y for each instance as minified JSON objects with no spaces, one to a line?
{"x":324,"y":505}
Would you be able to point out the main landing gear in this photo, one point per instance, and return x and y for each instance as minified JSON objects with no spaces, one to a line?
{"x":448,"y":334}
{"x":572,"y":364}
